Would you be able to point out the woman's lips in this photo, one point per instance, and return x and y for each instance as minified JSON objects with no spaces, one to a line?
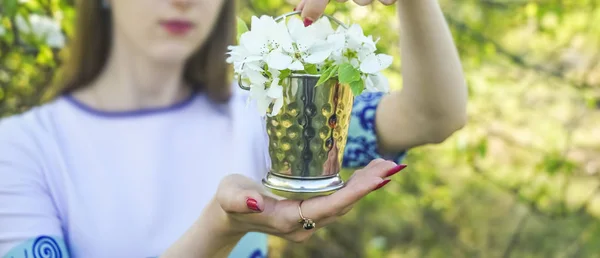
{"x":177,"y":27}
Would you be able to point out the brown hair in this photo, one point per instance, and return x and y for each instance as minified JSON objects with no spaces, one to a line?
{"x":206,"y":70}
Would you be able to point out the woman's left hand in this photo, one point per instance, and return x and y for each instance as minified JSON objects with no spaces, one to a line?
{"x":249,"y":208}
{"x":313,"y":9}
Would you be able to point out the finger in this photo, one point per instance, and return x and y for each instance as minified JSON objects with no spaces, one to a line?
{"x":236,"y":195}
{"x":382,"y":168}
{"x":327,"y":206}
{"x":300,"y":6}
{"x":387,"y":2}
{"x":375,"y":162}
{"x":346,"y":210}
{"x":362,"y":183}
{"x":312,"y":11}
{"x":244,"y":201}
{"x":363,"y":2}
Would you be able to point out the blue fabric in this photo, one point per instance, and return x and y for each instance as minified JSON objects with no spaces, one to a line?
{"x":252,"y":245}
{"x":361,"y":147}
{"x":43,"y":246}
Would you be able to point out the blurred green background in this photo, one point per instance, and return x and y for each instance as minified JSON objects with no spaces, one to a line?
{"x":520,"y":180}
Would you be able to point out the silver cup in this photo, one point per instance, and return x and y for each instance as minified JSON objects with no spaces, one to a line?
{"x":308,"y":137}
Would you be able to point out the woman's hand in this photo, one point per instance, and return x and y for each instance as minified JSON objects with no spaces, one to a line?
{"x":249,"y":208}
{"x":242,"y":205}
{"x":313,"y":9}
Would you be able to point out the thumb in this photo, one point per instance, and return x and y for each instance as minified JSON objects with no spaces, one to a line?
{"x":243,"y":201}
{"x":235,"y":196}
{"x":312,"y":11}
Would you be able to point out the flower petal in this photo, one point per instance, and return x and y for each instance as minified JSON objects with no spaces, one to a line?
{"x":318,"y":53}
{"x":377,"y":83}
{"x":277,"y":106}
{"x":262,"y":104}
{"x":254,"y":42}
{"x":337,"y":42}
{"x":375,"y":63}
{"x":296,"y":66}
{"x":278,"y":60}
{"x":256,"y":77}
{"x":275,"y":91}
{"x":296,"y":29}
{"x":321,"y":28}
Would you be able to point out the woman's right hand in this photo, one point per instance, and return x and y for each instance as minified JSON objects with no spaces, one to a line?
{"x":249,"y":208}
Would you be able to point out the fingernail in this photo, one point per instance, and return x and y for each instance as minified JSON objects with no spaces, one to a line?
{"x":295,"y":8}
{"x":252,"y":204}
{"x":380,"y":185}
{"x":395,"y":170}
{"x":307,"y":22}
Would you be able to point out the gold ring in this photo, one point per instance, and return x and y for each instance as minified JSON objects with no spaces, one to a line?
{"x":308,"y":224}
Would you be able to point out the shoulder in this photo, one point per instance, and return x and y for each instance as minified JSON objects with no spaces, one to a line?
{"x":22,"y":135}
{"x":25,"y":125}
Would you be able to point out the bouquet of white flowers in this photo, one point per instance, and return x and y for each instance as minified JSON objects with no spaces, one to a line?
{"x":275,"y":48}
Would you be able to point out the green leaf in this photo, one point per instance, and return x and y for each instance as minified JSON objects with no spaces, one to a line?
{"x":327,"y":74}
{"x":45,"y":56}
{"x":241,"y":27}
{"x":311,"y":69}
{"x":348,"y":74}
{"x":10,"y":7}
{"x":357,"y":87}
{"x":284,"y":74}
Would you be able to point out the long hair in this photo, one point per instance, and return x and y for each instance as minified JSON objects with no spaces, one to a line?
{"x":206,"y":70}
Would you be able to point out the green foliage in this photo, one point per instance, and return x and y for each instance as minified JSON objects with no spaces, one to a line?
{"x":331,"y":71}
{"x":351,"y":76}
{"x":520,"y":180}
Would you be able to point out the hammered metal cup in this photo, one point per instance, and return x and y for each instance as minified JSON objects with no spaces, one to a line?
{"x":308,"y":136}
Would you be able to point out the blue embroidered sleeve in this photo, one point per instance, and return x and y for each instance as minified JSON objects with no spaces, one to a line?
{"x":361,"y":147}
{"x":42,"y":246}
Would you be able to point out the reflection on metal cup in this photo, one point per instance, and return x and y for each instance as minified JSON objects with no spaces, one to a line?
{"x":308,"y":136}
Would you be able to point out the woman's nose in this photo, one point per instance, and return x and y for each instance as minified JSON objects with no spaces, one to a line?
{"x":182,"y":5}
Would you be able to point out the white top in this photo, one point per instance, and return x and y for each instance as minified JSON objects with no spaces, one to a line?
{"x":77,"y":182}
{"x":120,"y":184}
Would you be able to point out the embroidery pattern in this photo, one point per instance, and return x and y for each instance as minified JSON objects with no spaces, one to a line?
{"x":257,"y":254}
{"x":46,"y":247}
{"x":361,"y":147}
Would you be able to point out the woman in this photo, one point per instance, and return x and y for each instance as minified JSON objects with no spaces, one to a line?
{"x":150,"y":152}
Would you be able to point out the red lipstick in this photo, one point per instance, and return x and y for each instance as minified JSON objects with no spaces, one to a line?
{"x":177,"y":27}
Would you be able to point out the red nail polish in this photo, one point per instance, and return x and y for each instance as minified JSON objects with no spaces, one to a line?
{"x":380,"y":185}
{"x":295,"y":8}
{"x":252,"y":204}
{"x":395,"y":170}
{"x":307,"y":22}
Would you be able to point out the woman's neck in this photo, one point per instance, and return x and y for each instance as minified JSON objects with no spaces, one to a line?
{"x":133,"y":80}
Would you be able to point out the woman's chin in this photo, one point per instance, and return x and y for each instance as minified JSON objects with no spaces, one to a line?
{"x":172,"y":54}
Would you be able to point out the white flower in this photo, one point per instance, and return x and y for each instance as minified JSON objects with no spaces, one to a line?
{"x":358,"y":41}
{"x":275,"y":94}
{"x":375,"y":63}
{"x":272,"y":48}
{"x":42,"y":28}
{"x":259,"y":94}
{"x":268,"y":40}
{"x":376,"y":83}
{"x":311,"y":42}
